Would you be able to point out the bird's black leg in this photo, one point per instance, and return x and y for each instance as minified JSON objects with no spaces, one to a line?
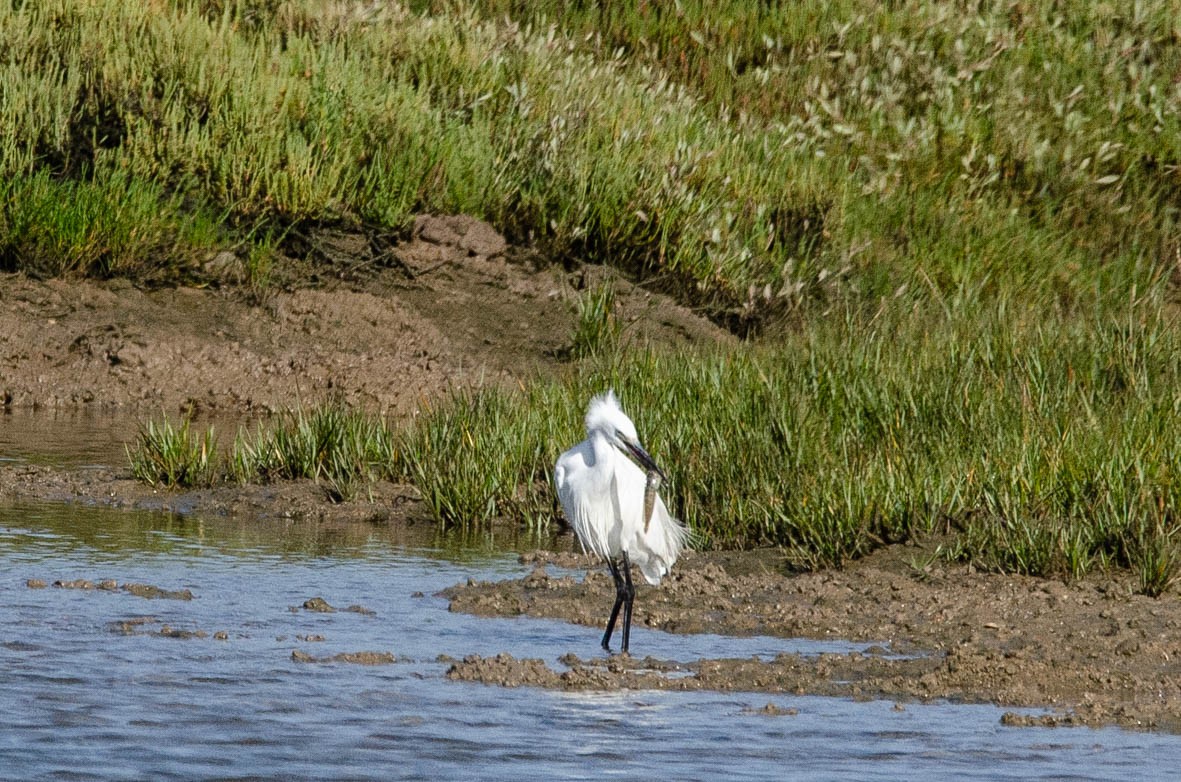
{"x":629,"y":595}
{"x":619,"y":596}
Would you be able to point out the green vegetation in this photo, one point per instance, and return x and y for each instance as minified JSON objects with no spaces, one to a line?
{"x":596,"y":331}
{"x":1051,"y":452}
{"x":1024,"y":449}
{"x":764,"y":156}
{"x":174,"y":456}
{"x":341,"y":449}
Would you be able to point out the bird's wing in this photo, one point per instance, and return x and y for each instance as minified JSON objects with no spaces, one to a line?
{"x":588,"y":510}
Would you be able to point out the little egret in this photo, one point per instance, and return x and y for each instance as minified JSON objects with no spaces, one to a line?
{"x":607,"y":484}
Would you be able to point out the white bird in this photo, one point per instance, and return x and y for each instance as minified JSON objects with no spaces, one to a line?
{"x":607,"y":487}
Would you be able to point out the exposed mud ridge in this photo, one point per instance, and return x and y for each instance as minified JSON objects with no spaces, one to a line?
{"x":320,"y":605}
{"x":303,"y":499}
{"x":353,"y":658}
{"x":145,"y":625}
{"x":1091,"y":651}
{"x":381,"y":327}
{"x":148,"y":591}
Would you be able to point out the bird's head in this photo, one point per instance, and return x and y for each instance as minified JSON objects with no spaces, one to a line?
{"x":604,"y":415}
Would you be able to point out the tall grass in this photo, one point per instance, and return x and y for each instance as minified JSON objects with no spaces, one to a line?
{"x":596,"y":329}
{"x":172,"y":457}
{"x":340,"y":448}
{"x":109,"y":224}
{"x":343,"y":450}
{"x":1042,"y":451}
{"x":758,"y":157}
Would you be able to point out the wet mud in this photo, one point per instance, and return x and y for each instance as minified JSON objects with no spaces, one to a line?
{"x":149,"y":591}
{"x":1092,"y":652}
{"x":150,"y":625}
{"x":320,"y":605}
{"x":352,"y":658}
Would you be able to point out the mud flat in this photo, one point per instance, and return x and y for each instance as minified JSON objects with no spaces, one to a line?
{"x":1091,"y":651}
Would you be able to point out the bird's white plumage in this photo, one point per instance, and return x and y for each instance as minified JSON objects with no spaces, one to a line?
{"x":602,"y":492}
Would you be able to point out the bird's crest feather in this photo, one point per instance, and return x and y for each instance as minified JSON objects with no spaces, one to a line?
{"x":604,"y":412}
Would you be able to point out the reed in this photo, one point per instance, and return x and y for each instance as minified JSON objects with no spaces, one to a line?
{"x":174,"y":456}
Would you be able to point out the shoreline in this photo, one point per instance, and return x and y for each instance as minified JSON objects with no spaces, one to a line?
{"x":1090,"y":652}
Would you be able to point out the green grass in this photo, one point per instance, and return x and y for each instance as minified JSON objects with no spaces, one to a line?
{"x":596,"y":330}
{"x":1047,"y":452}
{"x":106,"y":225}
{"x":174,"y":457}
{"x":341,"y":449}
{"x":757,"y":159}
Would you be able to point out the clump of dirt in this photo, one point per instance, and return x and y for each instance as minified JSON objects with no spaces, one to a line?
{"x":153,"y":592}
{"x":771,"y":710}
{"x":139,"y":625}
{"x":505,"y":670}
{"x":1092,"y":650}
{"x":167,"y":631}
{"x":318,"y":604}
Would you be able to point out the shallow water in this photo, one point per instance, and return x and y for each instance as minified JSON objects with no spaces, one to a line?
{"x":75,"y":438}
{"x":85,"y":700}
{"x":81,"y":438}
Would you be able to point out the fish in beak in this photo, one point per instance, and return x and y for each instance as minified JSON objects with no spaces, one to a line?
{"x":651,"y":470}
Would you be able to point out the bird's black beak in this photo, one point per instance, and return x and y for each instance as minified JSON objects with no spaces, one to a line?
{"x":641,"y":457}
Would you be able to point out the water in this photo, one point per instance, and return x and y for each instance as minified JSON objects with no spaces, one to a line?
{"x":83,"y":700}
{"x":82,"y":439}
{"x":75,"y":438}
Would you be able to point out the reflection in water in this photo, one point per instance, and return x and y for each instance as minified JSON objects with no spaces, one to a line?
{"x":93,"y":688}
{"x":131,"y":534}
{"x":78,"y":437}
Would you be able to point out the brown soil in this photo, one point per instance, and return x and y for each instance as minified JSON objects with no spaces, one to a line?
{"x":451,"y":306}
{"x":390,"y":327}
{"x":1092,"y":650}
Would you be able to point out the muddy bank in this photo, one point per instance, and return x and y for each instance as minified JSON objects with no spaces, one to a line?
{"x":382,"y":503}
{"x":1092,"y":651}
{"x":375,"y":323}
